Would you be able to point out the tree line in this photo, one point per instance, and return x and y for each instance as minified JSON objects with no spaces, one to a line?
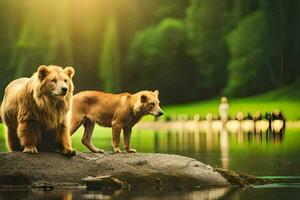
{"x":188,"y":49}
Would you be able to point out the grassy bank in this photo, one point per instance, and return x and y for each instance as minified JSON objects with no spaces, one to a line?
{"x":286,"y":99}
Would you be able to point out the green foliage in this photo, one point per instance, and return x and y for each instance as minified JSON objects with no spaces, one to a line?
{"x":242,"y":8}
{"x":248,"y":56}
{"x":283,"y":40}
{"x":206,"y":25}
{"x":197,"y":47}
{"x":159,"y":61}
{"x":109,"y":69}
{"x":170,"y":9}
{"x":41,"y":41}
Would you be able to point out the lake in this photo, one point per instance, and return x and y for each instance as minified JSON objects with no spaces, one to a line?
{"x":265,"y":154}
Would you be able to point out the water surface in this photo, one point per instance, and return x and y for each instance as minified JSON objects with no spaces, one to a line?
{"x":265,"y":154}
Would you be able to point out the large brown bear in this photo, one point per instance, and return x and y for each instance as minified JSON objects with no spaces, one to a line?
{"x":119,"y":111}
{"x":36,"y":111}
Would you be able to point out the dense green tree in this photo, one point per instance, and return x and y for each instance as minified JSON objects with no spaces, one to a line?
{"x":248,"y":66}
{"x":159,"y":61}
{"x":206,"y":30}
{"x":170,"y":9}
{"x":10,"y":18}
{"x":109,"y":68}
{"x":242,"y":8}
{"x":189,"y":52}
{"x":41,"y":41}
{"x":283,"y":25}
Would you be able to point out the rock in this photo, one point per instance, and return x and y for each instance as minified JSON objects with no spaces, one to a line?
{"x":100,"y":182}
{"x":242,"y":180}
{"x":43,"y":185}
{"x":130,"y":170}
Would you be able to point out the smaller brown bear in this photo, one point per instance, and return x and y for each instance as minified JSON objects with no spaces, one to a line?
{"x":119,"y":111}
{"x":36,"y":111}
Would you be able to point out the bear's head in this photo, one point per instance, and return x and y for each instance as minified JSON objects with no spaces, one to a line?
{"x":54,"y":81}
{"x":148,"y":103}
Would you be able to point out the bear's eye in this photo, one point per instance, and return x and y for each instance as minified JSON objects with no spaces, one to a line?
{"x":152,"y":104}
{"x":54,"y":80}
{"x":65,"y":80}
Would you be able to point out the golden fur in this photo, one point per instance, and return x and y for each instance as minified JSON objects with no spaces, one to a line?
{"x":119,"y":111}
{"x":36,"y":111}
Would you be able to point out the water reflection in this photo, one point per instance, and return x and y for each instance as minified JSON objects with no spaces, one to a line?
{"x":210,"y":137}
{"x":233,"y":145}
{"x":274,"y":191}
{"x":224,"y":147}
{"x":261,"y":152}
{"x":71,"y":194}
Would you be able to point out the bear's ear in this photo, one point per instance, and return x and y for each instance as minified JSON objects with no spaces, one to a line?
{"x":156,"y":92}
{"x":43,"y":71}
{"x":144,"y":98}
{"x":69,"y":71}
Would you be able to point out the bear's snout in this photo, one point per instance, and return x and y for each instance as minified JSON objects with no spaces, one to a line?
{"x":157,"y":113}
{"x":160,"y":113}
{"x":64,"y":90}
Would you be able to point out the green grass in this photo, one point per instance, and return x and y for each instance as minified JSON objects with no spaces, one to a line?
{"x":286,"y":99}
{"x":3,"y":146}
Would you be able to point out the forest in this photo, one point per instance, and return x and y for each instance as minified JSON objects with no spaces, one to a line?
{"x":188,"y":49}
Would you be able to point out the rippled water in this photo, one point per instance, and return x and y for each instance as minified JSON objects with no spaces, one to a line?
{"x":264,"y":154}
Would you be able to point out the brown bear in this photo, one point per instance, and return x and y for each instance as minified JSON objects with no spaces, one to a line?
{"x":119,"y":111}
{"x":36,"y":111}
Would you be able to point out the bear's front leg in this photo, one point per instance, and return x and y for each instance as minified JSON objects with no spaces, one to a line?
{"x":29,"y":134}
{"x":127,"y":134}
{"x":64,"y":139}
{"x":116,"y":131}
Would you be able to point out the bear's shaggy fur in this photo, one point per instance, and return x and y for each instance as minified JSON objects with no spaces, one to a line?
{"x":36,"y":111}
{"x":119,"y":111}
